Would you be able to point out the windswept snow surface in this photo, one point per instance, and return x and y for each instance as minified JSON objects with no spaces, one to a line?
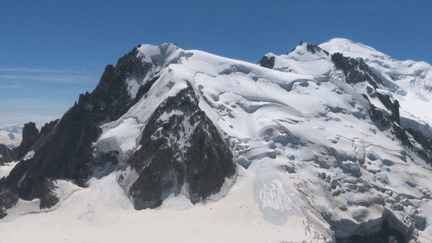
{"x":410,"y":81}
{"x":302,"y":61}
{"x":305,"y":136}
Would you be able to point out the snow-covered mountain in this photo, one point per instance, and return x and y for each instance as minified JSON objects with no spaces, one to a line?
{"x":11,"y":136}
{"x":328,"y":143}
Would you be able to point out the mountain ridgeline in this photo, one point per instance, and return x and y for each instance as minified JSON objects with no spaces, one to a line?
{"x":66,"y":152}
{"x":356,"y":71}
{"x":166,"y":124}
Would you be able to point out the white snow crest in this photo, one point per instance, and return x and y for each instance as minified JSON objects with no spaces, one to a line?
{"x":120,"y":136}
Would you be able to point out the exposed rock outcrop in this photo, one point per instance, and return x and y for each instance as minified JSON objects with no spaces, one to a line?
{"x":7,"y":200}
{"x":355,"y":70}
{"x":44,"y":134}
{"x":29,"y":137}
{"x":180,"y":148}
{"x":314,"y":48}
{"x":267,"y":62}
{"x":385,"y":235}
{"x":6,"y":154}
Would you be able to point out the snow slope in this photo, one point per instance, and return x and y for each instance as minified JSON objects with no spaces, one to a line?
{"x":312,"y":165}
{"x":102,"y":213}
{"x":409,"y":81}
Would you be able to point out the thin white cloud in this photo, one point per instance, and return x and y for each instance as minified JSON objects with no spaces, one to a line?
{"x":28,"y":77}
{"x":47,"y":74}
{"x":52,"y":103}
{"x":20,"y":118}
{"x":58,"y":78}
{"x":36,"y":70}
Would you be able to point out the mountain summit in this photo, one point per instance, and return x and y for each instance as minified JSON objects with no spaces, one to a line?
{"x":327,"y":143}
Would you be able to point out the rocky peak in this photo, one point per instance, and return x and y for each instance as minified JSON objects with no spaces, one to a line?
{"x":66,"y":152}
{"x":29,"y":137}
{"x":180,"y":149}
{"x":45,"y":133}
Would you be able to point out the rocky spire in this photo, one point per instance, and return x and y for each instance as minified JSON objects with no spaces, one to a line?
{"x":29,"y":137}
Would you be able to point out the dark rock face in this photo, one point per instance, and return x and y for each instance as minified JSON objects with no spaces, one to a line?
{"x":184,"y":147}
{"x":32,"y":139}
{"x":314,"y":48}
{"x":7,"y":200}
{"x":425,"y":142}
{"x":267,"y":62}
{"x":381,"y":230}
{"x":355,"y":70}
{"x":6,"y":154}
{"x":392,"y":106}
{"x":65,"y":150}
{"x":382,"y":120}
{"x":48,"y":198}
{"x":383,"y":236}
{"x":29,"y":136}
{"x":146,"y":87}
{"x":421,"y":139}
{"x":44,"y":134}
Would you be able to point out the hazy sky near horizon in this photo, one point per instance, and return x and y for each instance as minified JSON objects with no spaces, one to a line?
{"x":51,"y":51}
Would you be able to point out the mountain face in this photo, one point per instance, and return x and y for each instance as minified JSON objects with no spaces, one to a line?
{"x":68,"y":152}
{"x":179,"y":147}
{"x":30,"y":135}
{"x":327,"y":143}
{"x":6,"y":154}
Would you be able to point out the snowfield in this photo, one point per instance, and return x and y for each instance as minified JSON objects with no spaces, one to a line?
{"x":102,"y":213}
{"x":311,"y":163}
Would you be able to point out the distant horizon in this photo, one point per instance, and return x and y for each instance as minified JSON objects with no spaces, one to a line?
{"x":52,"y":51}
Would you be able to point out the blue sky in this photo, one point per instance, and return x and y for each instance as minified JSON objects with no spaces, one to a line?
{"x":51,"y":51}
